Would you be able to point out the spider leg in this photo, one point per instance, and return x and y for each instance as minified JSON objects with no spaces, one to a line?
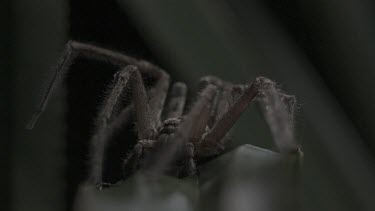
{"x":276,"y":108}
{"x":74,"y":49}
{"x":100,"y":142}
{"x":226,"y":95}
{"x":230,"y":94}
{"x":98,"y":146}
{"x":158,"y":95}
{"x":147,"y":120}
{"x":201,"y":112}
{"x":213,"y":80}
{"x":197,"y":121}
{"x":278,"y":111}
{"x":210,"y":79}
{"x":145,"y":128}
{"x":290,"y":103}
{"x":190,"y":131}
{"x":228,"y":119}
{"x":66,"y":60}
{"x":176,"y":101}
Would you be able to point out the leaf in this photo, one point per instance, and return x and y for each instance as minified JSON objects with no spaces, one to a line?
{"x":249,"y":178}
{"x":141,"y":192}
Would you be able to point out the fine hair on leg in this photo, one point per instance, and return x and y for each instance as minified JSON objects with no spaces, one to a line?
{"x":188,"y":130}
{"x":229,"y":95}
{"x":157,"y":96}
{"x":128,"y":78}
{"x":72,"y":50}
{"x":201,"y":112}
{"x":220,"y":85}
{"x":145,"y":127}
{"x":228,"y":119}
{"x":98,"y":143}
{"x":66,"y":60}
{"x":278,"y":112}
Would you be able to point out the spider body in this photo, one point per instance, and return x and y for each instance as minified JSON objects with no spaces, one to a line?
{"x":170,"y":138}
{"x":171,"y":149}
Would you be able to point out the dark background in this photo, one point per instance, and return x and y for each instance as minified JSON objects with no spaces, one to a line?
{"x":321,"y":51}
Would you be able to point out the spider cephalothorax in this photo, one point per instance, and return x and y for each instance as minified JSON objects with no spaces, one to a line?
{"x":170,"y":138}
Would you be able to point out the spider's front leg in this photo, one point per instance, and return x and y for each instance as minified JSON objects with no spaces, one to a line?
{"x":106,"y":121}
{"x":147,"y":119}
{"x":130,"y":78}
{"x":278,"y":109}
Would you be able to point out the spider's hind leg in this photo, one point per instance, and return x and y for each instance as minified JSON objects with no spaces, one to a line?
{"x":129,"y":78}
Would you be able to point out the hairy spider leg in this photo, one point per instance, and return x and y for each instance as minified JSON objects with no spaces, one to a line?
{"x":228,"y":119}
{"x":229,"y":95}
{"x":173,"y":109}
{"x":170,"y":145}
{"x":210,"y":79}
{"x":74,"y":49}
{"x":213,"y":80}
{"x":66,"y":60}
{"x":278,"y":111}
{"x":290,"y":102}
{"x":176,"y":102}
{"x":98,"y":145}
{"x":146,"y":128}
{"x":128,"y":77}
{"x":157,"y":96}
{"x":224,"y":101}
{"x":204,"y":105}
{"x":146,"y":135}
{"x":187,"y":134}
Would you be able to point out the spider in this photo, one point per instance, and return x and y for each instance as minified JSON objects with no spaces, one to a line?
{"x":170,"y":140}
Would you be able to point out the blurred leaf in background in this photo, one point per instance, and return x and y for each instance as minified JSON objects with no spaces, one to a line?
{"x":142,"y":191}
{"x":37,"y":34}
